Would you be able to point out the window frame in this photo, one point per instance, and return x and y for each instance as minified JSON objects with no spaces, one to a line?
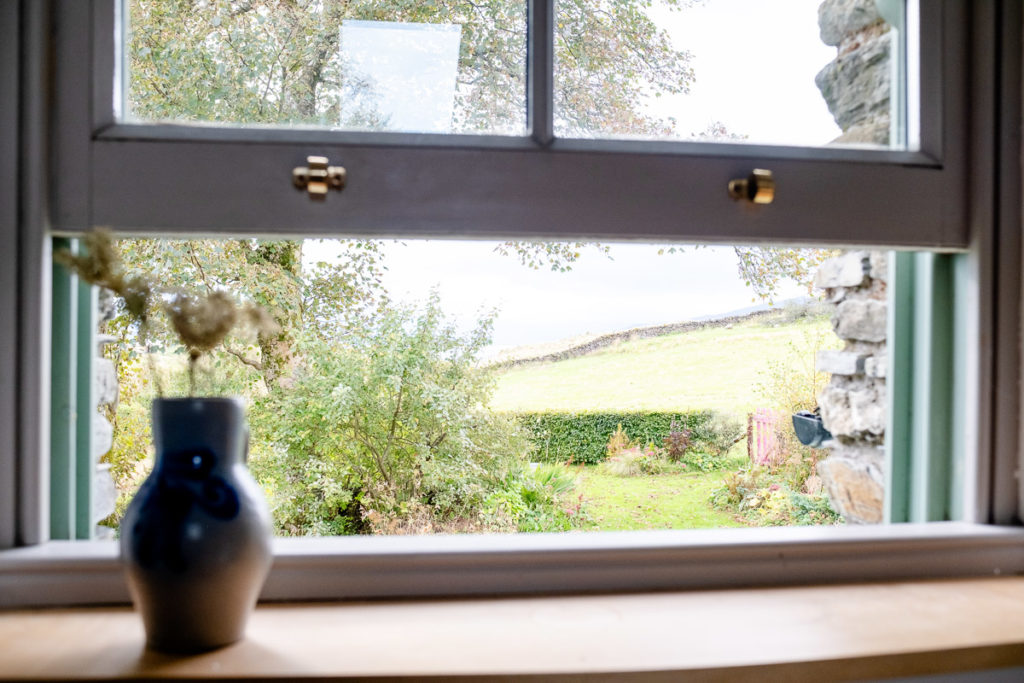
{"x":61,"y":193}
{"x":130,"y":177}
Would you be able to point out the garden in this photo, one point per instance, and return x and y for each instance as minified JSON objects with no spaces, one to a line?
{"x":372,"y":417}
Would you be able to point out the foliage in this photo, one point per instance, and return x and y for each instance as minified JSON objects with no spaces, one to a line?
{"x":701,"y":461}
{"x":395,"y":416}
{"x":765,"y":499}
{"x":720,"y":433}
{"x":792,"y":383}
{"x":558,"y":256}
{"x":677,"y":442}
{"x":763,"y":268}
{"x":635,"y":461}
{"x":545,"y":500}
{"x":200,"y":321}
{"x":619,"y":441}
{"x":583,"y":438}
{"x":330,"y":298}
{"x":264,"y":61}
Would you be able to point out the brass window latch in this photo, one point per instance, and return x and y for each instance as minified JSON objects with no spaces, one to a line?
{"x":318,"y":177}
{"x":757,"y":188}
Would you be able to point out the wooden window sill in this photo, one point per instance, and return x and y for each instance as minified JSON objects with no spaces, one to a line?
{"x":807,"y":633}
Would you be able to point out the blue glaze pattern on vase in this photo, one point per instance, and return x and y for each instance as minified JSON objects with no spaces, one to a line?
{"x":195,"y":540}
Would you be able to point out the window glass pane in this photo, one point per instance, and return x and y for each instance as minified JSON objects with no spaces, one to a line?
{"x":801,"y":72}
{"x":437,"y":68}
{"x":437,"y":386}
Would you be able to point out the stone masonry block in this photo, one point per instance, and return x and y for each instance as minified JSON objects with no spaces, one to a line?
{"x":878,"y":265}
{"x":875,"y":366}
{"x":854,"y":481}
{"x":867,"y":411}
{"x":861,"y":320}
{"x":839,"y":18}
{"x":848,"y":270}
{"x":102,"y":436}
{"x":104,"y":501}
{"x":855,"y":412}
{"x":105,"y":376}
{"x":839,"y":363}
{"x":857,"y":84}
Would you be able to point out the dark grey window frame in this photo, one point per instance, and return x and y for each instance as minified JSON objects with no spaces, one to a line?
{"x":77,"y":168}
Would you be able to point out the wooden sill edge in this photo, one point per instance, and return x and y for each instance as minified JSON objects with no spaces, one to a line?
{"x":838,"y":632}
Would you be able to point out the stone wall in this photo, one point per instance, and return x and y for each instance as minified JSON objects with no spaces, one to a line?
{"x":104,"y":492}
{"x":857,"y":84}
{"x":853,"y":405}
{"x":857,"y":87}
{"x":603,"y":341}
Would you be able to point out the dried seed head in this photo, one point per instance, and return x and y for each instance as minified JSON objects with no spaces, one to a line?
{"x":99,"y":264}
{"x":202,"y":322}
{"x":258,"y":320}
{"x":136,"y":292}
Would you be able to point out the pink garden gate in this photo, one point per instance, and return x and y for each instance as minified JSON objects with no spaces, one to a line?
{"x":762,"y":439}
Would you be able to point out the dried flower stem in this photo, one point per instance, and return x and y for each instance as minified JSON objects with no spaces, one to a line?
{"x":201,"y":321}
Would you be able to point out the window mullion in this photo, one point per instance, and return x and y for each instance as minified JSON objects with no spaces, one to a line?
{"x":540,"y":62}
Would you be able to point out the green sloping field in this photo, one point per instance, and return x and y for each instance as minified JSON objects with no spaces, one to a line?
{"x":712,"y":368}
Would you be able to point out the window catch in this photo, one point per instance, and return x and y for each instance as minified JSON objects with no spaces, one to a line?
{"x":757,"y":188}
{"x":318,"y":177}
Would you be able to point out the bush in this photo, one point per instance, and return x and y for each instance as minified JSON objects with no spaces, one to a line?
{"x":619,"y":441}
{"x":635,"y":461}
{"x":544,"y":500}
{"x":582,"y":438}
{"x":768,"y":499}
{"x":387,"y":430}
{"x":677,"y":442}
{"x":721,"y":433}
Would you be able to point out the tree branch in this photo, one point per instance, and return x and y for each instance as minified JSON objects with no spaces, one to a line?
{"x":242,"y":357}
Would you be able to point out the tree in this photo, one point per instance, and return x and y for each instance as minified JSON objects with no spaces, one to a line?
{"x":327,"y":299}
{"x":278,"y":61}
{"x":394,"y":418}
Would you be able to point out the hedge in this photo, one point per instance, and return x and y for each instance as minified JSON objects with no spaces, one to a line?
{"x":583,"y":437}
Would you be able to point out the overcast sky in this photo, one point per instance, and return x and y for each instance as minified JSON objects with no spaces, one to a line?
{"x":755,"y":63}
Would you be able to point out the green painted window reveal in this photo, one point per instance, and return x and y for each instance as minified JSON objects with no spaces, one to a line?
{"x":925,"y":455}
{"x":72,"y":403}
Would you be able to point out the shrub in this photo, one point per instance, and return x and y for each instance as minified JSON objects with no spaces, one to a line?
{"x":635,"y":461}
{"x":582,"y":438}
{"x":700,"y":461}
{"x":677,"y":442}
{"x":721,"y":433}
{"x":543,"y":500}
{"x":387,"y":430}
{"x":767,"y":499}
{"x":617,"y":442}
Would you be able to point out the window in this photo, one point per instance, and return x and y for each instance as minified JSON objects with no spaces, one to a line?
{"x":956,"y":189}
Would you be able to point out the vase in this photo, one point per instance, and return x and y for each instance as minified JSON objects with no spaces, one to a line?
{"x":195,"y":540}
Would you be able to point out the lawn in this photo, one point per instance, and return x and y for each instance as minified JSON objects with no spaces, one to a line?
{"x":714,"y":368}
{"x":669,"y":501}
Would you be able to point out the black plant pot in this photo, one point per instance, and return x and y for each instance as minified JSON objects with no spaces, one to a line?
{"x":195,"y":541}
{"x":810,"y":430}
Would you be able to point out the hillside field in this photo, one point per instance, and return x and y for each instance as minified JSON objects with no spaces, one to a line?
{"x":712,"y":368}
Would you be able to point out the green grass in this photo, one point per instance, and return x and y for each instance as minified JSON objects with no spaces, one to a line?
{"x":713,"y":368}
{"x":668,"y":501}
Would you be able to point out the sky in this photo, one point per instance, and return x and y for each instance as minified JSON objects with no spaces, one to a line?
{"x":755,"y":63}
